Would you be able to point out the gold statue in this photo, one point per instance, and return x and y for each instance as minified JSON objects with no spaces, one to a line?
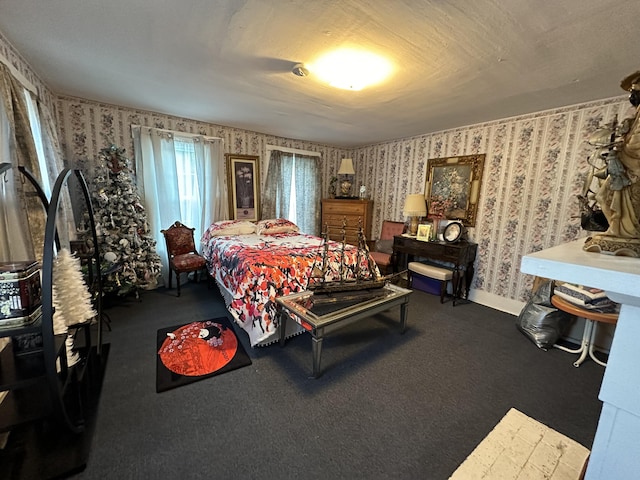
{"x":619,"y":193}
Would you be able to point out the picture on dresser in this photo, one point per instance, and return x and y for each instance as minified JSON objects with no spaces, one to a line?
{"x":453,"y":187}
{"x":424,"y":232}
{"x":243,"y":183}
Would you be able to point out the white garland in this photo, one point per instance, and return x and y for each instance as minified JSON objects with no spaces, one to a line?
{"x":71,"y":299}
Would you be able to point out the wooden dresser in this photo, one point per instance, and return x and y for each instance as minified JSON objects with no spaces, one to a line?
{"x":335,"y":210}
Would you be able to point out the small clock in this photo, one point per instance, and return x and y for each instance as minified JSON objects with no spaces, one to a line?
{"x":453,"y":232}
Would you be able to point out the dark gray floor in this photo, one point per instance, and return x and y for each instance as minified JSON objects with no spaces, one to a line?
{"x":409,"y":406}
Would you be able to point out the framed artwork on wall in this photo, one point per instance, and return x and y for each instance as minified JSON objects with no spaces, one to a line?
{"x":453,"y":187}
{"x":243,"y":184}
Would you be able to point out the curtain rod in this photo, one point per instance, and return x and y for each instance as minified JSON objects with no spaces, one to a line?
{"x":176,"y":133}
{"x":294,"y":150}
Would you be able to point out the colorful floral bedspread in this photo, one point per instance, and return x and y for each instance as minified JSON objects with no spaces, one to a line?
{"x":258,"y":268}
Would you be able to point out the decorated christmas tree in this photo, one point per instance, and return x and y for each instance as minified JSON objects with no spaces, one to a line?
{"x":128,"y":251}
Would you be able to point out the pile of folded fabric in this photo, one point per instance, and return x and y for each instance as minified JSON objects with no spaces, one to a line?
{"x":586,"y":297}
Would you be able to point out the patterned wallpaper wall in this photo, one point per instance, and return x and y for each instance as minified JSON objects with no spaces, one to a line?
{"x":533,"y":171}
{"x":86,"y":127}
{"x":534,"y":168}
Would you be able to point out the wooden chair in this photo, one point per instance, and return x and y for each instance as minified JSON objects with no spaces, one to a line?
{"x":383,"y":248}
{"x":181,"y":249}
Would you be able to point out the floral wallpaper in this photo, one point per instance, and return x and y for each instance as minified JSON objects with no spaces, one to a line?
{"x":534,"y":167}
{"x":86,"y":126}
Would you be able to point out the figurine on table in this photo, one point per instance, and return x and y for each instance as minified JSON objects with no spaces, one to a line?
{"x":619,"y":193}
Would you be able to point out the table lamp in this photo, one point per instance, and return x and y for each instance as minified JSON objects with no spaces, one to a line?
{"x":346,"y":171}
{"x":415,"y":206}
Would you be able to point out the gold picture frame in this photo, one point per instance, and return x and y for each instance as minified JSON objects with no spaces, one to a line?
{"x":243,"y":184}
{"x":453,"y":187}
{"x":424,"y":232}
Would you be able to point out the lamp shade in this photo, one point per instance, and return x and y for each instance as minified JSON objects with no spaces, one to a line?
{"x":346,"y":167}
{"x":415,"y":205}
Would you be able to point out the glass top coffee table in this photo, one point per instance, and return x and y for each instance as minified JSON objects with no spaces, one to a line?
{"x":320,"y":314}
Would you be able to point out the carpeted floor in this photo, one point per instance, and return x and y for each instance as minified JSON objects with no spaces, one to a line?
{"x":410,"y":406}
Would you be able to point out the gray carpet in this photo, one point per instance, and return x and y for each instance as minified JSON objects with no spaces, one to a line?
{"x":409,"y":406}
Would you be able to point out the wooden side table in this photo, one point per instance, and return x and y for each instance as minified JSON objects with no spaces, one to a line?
{"x":588,"y":336}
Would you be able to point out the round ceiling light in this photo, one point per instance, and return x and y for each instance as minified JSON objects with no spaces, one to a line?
{"x":351,"y":69}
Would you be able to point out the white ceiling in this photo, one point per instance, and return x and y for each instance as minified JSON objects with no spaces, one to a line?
{"x":228,"y":62}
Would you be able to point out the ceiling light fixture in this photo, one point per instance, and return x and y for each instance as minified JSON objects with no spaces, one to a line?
{"x":300,"y":70}
{"x":351,"y":69}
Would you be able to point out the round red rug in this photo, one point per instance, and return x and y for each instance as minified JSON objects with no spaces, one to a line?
{"x":198,"y":348}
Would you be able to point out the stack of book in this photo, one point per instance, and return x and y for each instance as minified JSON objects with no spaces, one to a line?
{"x":586,"y":297}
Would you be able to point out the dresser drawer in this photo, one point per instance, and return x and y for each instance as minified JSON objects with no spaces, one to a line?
{"x":351,"y":221}
{"x":337,"y":232}
{"x":344,"y":208}
{"x":351,"y":236}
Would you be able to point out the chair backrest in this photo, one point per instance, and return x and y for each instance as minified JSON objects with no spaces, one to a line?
{"x":179,"y":239}
{"x":391,"y":229}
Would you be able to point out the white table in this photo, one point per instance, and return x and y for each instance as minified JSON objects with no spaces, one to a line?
{"x":616,"y":448}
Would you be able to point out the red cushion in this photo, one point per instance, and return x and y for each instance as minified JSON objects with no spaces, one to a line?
{"x":391,"y":229}
{"x":188,"y":262}
{"x":381,"y":258}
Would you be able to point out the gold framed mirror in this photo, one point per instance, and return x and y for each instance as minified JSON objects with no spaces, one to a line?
{"x":453,"y":186}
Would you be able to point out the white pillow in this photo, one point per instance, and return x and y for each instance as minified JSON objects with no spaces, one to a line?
{"x":276,"y":225}
{"x":231,"y":227}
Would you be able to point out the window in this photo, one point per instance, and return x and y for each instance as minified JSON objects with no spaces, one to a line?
{"x":181,"y":178}
{"x":293,"y":213}
{"x":188,"y":191}
{"x":34,"y":121}
{"x":292,"y":189}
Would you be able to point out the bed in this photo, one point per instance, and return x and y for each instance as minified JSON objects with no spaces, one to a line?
{"x":253,"y":264}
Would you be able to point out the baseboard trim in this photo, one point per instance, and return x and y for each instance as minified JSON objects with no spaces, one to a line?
{"x":507,"y":305}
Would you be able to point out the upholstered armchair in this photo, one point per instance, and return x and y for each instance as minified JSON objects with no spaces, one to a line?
{"x":181,"y":249}
{"x":383,"y":247}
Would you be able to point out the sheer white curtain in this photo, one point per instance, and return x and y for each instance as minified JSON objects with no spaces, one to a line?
{"x":162,"y":173}
{"x":209,"y":165}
